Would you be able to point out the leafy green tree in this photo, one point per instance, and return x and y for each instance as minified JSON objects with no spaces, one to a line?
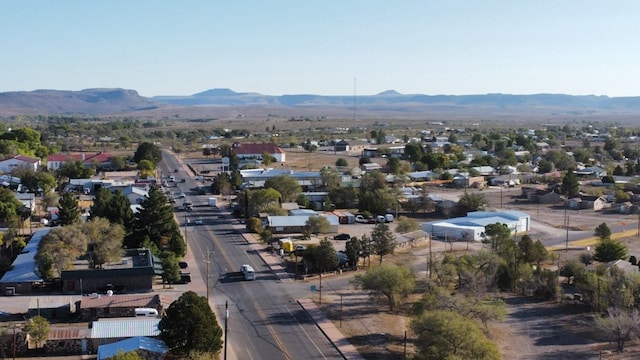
{"x":413,"y":152}
{"x":104,"y":241}
{"x":288,"y":187}
{"x":267,"y":159}
{"x":393,"y":165}
{"x":406,"y":225}
{"x":68,"y":211}
{"x":603,"y":232}
{"x":384,"y":242}
{"x":570,"y":186}
{"x":342,"y":162}
{"x":323,"y":256}
{"x":74,"y":170}
{"x":38,"y":329}
{"x":146,"y":165}
{"x":330,"y":178}
{"x":344,"y":197}
{"x":545,"y":166}
{"x":220,"y":182}
{"x":608,"y":250}
{"x":317,"y":225}
{"x":9,"y":205}
{"x":472,"y":202}
{"x":390,"y":281}
{"x":155,"y":220}
{"x":374,"y":195}
{"x":148,"y":151}
{"x":447,"y":335}
{"x":131,"y":355}
{"x":530,"y":251}
{"x":190,"y":325}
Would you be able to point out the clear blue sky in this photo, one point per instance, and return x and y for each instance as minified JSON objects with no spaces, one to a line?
{"x":277,"y":47}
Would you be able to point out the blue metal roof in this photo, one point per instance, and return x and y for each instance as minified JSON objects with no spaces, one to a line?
{"x":132,"y":344}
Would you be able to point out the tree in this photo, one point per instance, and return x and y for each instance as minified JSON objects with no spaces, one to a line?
{"x":38,"y":329}
{"x":413,"y":152}
{"x":288,"y":187}
{"x":154,"y":220}
{"x":131,"y":355}
{"x":406,"y":225}
{"x":68,"y":212}
{"x":472,"y":202}
{"x":74,"y":170}
{"x":353,"y":249}
{"x":267,"y":159}
{"x":608,"y":250}
{"x":148,"y":151}
{"x":170,"y":267}
{"x":570,"y":186}
{"x":317,"y":225}
{"x":393,"y":165}
{"x":342,"y":162}
{"x":391,"y":281}
{"x":261,"y":200}
{"x":114,"y":207}
{"x":190,"y":325}
{"x":447,"y":335}
{"x":620,"y":325}
{"x":530,"y":251}
{"x":9,"y":205}
{"x":602,"y":231}
{"x":59,"y":248}
{"x":324,"y":256}
{"x":384,"y":242}
{"x":330,"y":178}
{"x":104,"y":241}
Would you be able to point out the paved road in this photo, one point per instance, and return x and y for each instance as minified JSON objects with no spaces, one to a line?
{"x":265,"y":322}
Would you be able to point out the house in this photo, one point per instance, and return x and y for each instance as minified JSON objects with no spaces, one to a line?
{"x":136,"y":272}
{"x":591,"y":171}
{"x":422,"y":175}
{"x":370,"y":167}
{"x":297,"y":224}
{"x":342,"y":145}
{"x":255,"y":151}
{"x":107,"y":331}
{"x":99,"y":160}
{"x":148,"y":348}
{"x":595,"y":203}
{"x":23,"y":278}
{"x":103,"y":306}
{"x":19,"y":161}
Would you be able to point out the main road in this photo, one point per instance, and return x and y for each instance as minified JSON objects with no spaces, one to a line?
{"x":265,"y":321}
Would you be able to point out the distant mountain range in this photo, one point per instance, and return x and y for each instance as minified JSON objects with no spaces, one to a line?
{"x":119,"y":101}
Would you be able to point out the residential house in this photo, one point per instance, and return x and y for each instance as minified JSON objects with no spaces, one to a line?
{"x":255,"y":151}
{"x":370,"y":167}
{"x":99,"y":160}
{"x":19,"y":161}
{"x":595,"y":203}
{"x":341,"y":146}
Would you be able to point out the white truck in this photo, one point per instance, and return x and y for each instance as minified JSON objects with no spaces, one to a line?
{"x":248,"y":272}
{"x":213,"y":202}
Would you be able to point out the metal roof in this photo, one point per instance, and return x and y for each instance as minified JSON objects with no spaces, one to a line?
{"x":124,"y":328}
{"x":132,"y":344}
{"x":24,"y":267}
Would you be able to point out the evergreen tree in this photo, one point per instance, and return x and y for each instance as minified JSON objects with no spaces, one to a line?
{"x":100,"y":206}
{"x":570,"y":186}
{"x":155,"y":221}
{"x":68,"y":211}
{"x":190,"y":325}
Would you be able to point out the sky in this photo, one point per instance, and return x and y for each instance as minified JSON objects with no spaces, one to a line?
{"x":328,"y":47}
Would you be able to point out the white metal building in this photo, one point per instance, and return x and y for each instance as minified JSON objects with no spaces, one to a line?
{"x":472,"y":226}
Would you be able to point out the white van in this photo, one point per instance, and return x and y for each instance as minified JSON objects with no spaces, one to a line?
{"x":248,"y":272}
{"x":146,"y":312}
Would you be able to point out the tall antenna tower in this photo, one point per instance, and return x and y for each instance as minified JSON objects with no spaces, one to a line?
{"x":354,"y":99}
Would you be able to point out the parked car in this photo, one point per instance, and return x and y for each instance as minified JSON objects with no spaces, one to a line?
{"x":182,"y":195}
{"x":183,"y":265}
{"x":343,"y":236}
{"x":360,"y":219}
{"x":198,"y":221}
{"x":172,"y":178}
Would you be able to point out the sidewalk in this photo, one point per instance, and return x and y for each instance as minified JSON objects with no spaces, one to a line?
{"x":274,"y":262}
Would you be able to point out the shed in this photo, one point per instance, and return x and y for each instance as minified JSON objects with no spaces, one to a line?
{"x":112,"y":330}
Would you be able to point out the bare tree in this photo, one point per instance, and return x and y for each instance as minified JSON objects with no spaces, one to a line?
{"x":619,"y":325}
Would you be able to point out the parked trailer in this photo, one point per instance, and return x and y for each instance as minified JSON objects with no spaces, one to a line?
{"x":213,"y":202}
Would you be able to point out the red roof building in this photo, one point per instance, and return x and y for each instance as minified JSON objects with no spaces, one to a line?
{"x":100,"y":159}
{"x":255,"y":151}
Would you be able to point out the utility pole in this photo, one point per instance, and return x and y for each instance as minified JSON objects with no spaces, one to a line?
{"x":208,"y":261}
{"x":430,"y":253}
{"x":226,"y":329}
{"x":320,"y":289}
